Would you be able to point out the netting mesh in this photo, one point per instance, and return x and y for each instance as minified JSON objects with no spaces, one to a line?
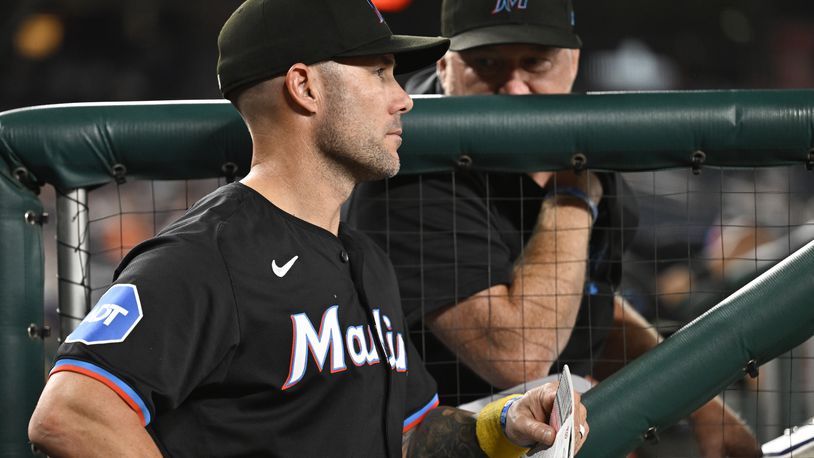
{"x":122,"y":215}
{"x":699,"y":237}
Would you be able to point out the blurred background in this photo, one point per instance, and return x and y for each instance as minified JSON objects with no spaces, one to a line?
{"x":57,"y":51}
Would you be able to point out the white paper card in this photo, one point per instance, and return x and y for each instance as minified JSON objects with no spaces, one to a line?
{"x":562,"y":420}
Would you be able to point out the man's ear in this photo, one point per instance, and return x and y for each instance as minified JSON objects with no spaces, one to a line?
{"x":299,"y":86}
{"x":574,"y":63}
{"x":441,"y":68}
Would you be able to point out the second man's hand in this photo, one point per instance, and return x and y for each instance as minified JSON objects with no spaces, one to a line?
{"x":527,"y":421}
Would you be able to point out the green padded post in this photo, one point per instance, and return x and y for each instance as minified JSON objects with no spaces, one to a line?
{"x":767,"y":317}
{"x":21,"y":304}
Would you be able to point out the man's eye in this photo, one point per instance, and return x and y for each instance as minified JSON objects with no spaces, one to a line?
{"x":537,"y":65}
{"x":486,"y":66}
{"x":381,"y":72}
{"x":485,"y":62}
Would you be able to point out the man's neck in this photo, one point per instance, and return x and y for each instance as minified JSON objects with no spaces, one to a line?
{"x":302,"y":187}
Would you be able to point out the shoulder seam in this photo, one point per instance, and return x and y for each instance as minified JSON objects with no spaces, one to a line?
{"x":229,"y":276}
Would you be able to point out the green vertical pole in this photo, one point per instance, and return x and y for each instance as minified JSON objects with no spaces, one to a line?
{"x":21,"y":304}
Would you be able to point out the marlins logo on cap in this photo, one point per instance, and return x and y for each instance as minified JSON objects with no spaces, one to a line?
{"x":507,"y":5}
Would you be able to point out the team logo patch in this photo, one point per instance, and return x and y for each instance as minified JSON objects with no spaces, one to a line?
{"x":112,"y":319}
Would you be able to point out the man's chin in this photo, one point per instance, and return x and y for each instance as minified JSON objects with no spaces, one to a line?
{"x":381,"y":173}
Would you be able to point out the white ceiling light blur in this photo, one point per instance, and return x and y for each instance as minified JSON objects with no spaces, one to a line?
{"x":633,"y":66}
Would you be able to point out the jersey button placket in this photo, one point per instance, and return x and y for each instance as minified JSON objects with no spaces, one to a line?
{"x":343,"y":256}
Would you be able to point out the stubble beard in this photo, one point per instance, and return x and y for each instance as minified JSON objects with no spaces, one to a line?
{"x":352,"y":147}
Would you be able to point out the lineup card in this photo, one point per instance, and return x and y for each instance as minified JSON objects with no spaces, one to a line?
{"x":797,"y":442}
{"x":562,"y":420}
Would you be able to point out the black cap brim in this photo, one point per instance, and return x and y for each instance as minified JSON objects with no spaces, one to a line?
{"x":515,"y":33}
{"x":411,"y":52}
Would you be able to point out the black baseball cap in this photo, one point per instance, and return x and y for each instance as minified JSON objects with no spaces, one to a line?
{"x":264,"y":38}
{"x":473,"y":23}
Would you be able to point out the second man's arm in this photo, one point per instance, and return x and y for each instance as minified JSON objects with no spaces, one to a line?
{"x":512,"y":333}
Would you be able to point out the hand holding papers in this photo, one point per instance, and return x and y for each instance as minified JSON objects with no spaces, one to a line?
{"x":562,"y":420}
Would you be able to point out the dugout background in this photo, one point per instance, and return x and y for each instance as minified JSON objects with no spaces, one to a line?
{"x":94,"y":50}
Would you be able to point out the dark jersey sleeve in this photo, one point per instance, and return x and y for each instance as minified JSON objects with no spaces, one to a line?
{"x":439,"y":235}
{"x":422,"y":392}
{"x":167,"y":326}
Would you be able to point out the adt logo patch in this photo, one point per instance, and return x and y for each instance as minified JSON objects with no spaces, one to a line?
{"x":112,"y":319}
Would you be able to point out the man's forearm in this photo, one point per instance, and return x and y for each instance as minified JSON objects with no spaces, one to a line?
{"x":504,"y":427}
{"x":510,"y":335}
{"x":445,"y":432}
{"x":631,"y":336}
{"x":549,"y":278}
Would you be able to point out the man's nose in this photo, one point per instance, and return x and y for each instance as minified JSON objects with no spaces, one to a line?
{"x":404,"y":102}
{"x":516,"y":84}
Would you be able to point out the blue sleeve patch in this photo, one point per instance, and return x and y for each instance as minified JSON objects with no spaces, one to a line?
{"x":112,"y":318}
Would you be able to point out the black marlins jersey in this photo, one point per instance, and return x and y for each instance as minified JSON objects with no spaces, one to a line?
{"x":242,"y":330}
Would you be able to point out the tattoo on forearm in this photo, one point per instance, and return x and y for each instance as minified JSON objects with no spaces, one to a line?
{"x":445,"y":432}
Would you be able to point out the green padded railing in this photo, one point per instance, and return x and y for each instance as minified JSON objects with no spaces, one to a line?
{"x":78,"y":145}
{"x":767,"y":317}
{"x":86,"y":145}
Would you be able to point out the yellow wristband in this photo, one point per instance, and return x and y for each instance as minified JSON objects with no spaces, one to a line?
{"x":491,"y":438}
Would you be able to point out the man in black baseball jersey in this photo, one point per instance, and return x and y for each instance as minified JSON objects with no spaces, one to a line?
{"x":257,"y":324}
{"x":516,"y":274}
